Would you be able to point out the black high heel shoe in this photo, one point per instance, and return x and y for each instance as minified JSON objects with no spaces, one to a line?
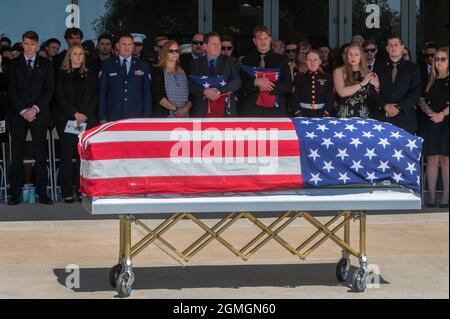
{"x":69,"y":200}
{"x":445,"y":206}
{"x":430,"y":205}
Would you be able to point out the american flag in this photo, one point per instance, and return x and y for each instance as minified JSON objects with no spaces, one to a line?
{"x":229,"y":155}
{"x":222,"y":105}
{"x":339,"y":152}
{"x":265,"y":99}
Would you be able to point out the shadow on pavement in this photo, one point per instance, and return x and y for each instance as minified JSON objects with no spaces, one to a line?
{"x":234,"y":276}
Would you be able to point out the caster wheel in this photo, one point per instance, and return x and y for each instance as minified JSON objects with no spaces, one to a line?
{"x":114,"y":274}
{"x":342,"y":270}
{"x":124,"y":284}
{"x":359,"y":281}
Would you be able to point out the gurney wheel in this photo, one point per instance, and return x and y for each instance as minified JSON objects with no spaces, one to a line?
{"x":114,"y":274}
{"x":124,"y":284}
{"x":342,"y":269}
{"x":359,"y":281}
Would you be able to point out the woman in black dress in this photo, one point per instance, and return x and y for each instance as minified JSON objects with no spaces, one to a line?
{"x":77,"y":100}
{"x":435,"y":127}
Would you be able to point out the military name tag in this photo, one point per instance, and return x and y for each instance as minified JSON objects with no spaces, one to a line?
{"x":322,"y":82}
{"x":2,"y":127}
{"x":113,"y":74}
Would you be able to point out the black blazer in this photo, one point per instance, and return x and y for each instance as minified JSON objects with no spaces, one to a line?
{"x":405,"y":92}
{"x":66,"y":107}
{"x":224,"y":66}
{"x":37,"y":89}
{"x":186,"y":62}
{"x":250,"y":92}
{"x":159,"y":92}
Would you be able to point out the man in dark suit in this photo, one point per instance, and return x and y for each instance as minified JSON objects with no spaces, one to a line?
{"x":125,"y":89}
{"x":400,"y":89}
{"x":31,"y":85}
{"x":264,"y":57}
{"x":213,"y":63}
{"x":197,"y":51}
{"x":370,"y":48}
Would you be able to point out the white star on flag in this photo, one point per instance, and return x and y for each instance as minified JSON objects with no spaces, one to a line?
{"x":343,"y":154}
{"x":363,"y":122}
{"x":206,"y":85}
{"x":315,"y":178}
{"x":306,"y":122}
{"x":328,"y":166}
{"x":204,"y":77}
{"x":412,"y":145}
{"x":384,"y":166}
{"x":398,"y":177}
{"x":334,"y":122}
{"x":357,"y":166}
{"x":314,"y":154}
{"x":378,"y":127}
{"x":370,"y":153}
{"x":311,"y":135}
{"x":344,"y":177}
{"x":411,"y":168}
{"x":339,"y":135}
{"x":398,"y":155}
{"x":356,"y":142}
{"x":371,"y":177}
{"x":368,"y":134}
{"x":384,"y":142}
{"x":322,"y":128}
{"x":327,"y":142}
{"x":223,"y":83}
{"x":396,"y":135}
{"x":351,"y":127}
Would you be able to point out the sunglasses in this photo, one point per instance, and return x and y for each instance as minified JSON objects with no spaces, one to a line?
{"x":291,"y":51}
{"x":370,"y":50}
{"x":430,"y":55}
{"x":174,"y":51}
{"x":227,"y":48}
{"x":197,"y":42}
{"x":438,"y":59}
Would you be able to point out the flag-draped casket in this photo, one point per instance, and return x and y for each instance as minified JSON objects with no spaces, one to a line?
{"x":228,"y":155}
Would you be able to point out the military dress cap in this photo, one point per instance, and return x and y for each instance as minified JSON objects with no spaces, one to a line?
{"x":138,"y":37}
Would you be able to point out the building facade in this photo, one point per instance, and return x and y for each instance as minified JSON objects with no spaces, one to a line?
{"x":320,"y":21}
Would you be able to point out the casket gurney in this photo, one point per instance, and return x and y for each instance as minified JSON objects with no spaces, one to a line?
{"x":130,"y":168}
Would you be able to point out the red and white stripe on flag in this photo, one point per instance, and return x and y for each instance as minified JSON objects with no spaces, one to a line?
{"x":189,"y":156}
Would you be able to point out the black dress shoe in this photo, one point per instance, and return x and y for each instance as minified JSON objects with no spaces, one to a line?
{"x":45,"y":200}
{"x":430,"y":205}
{"x":443,"y":206}
{"x":13,"y":201}
{"x":69,"y":200}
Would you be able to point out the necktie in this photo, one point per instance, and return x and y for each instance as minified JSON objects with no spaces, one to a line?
{"x":370,"y":67}
{"x":262,"y":64}
{"x":29,"y":64}
{"x":124,"y":66}
{"x":212,"y":67}
{"x":394,"y":71}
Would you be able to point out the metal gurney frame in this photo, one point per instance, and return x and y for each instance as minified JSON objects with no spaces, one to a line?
{"x":350,"y":203}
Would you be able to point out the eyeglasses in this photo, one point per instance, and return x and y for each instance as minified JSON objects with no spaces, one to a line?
{"x":370,"y":50}
{"x":227,"y":48}
{"x":172,"y":51}
{"x":291,"y":51}
{"x":430,"y":55}
{"x":438,"y":59}
{"x":197,"y":42}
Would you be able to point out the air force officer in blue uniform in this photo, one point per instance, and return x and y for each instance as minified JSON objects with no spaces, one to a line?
{"x":125,"y":90}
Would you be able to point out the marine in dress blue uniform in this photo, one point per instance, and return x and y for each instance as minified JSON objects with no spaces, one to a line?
{"x":124,"y":94}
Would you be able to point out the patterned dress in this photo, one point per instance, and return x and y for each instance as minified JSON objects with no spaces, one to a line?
{"x":355,"y":105}
{"x":177,"y":90}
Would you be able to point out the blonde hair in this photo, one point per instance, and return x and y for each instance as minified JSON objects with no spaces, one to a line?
{"x":165,"y":56}
{"x":67,"y":65}
{"x":347,"y":68}
{"x":434,"y":72}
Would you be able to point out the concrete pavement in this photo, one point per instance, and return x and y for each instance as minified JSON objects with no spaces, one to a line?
{"x":410,"y":250}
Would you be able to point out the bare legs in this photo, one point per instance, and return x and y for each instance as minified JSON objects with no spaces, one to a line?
{"x":432,"y":176}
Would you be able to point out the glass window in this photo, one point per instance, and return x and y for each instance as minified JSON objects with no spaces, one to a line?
{"x":176,"y":18}
{"x":238,"y":19}
{"x":305,"y":19}
{"x":390,"y":20}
